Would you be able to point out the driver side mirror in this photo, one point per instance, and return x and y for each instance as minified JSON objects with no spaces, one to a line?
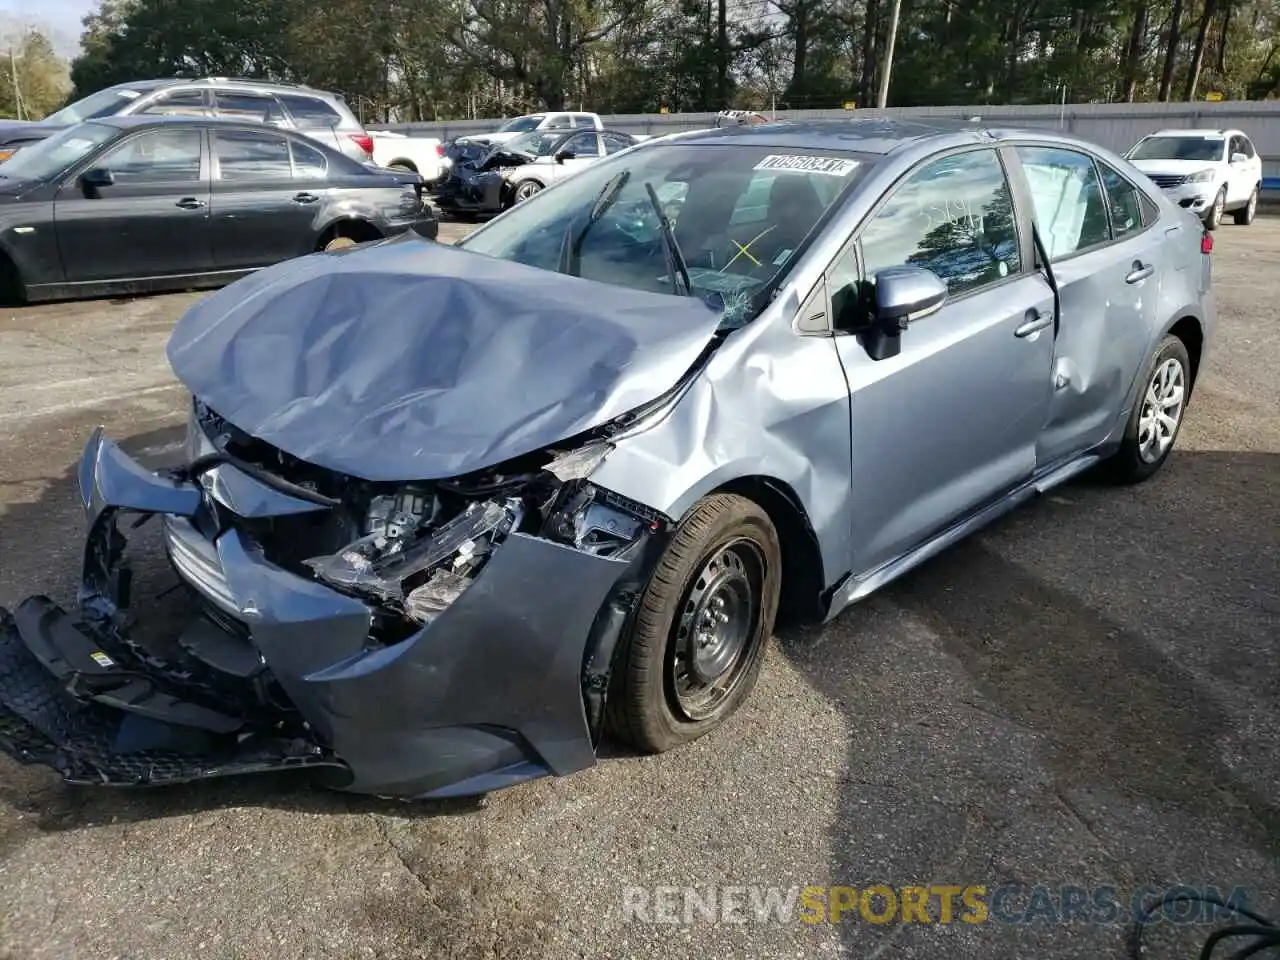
{"x":1239,"y":158}
{"x":97,"y":177}
{"x":901,"y":295}
{"x":564,"y":155}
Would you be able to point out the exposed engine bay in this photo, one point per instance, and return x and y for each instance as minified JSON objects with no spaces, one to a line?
{"x":421,"y":545}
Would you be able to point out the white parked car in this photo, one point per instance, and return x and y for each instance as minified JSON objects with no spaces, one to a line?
{"x":423,"y":155}
{"x":1209,"y":172}
{"x":549,"y":122}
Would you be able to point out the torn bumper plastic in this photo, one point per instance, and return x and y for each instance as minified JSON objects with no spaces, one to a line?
{"x":277,"y":671}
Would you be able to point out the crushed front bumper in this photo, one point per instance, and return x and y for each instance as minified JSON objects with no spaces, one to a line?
{"x":275,"y":670}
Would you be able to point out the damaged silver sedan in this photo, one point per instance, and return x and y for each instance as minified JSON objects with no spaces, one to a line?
{"x":448,"y":516}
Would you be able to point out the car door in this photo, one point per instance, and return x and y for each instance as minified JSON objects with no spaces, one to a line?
{"x":585,"y":148}
{"x":260,"y":213}
{"x":1106,"y":253}
{"x":152,"y":221}
{"x":951,"y":422}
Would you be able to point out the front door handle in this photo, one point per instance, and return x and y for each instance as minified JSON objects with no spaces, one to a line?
{"x":305,"y":198}
{"x":190,"y":203}
{"x":1035,"y":322}
{"x":1140,"y":272}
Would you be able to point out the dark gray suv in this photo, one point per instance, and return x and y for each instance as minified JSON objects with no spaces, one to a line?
{"x":321,"y":115}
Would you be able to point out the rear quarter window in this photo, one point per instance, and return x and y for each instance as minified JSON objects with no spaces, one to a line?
{"x":310,"y":113}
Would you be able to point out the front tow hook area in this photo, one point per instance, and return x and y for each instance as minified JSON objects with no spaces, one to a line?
{"x":71,"y":704}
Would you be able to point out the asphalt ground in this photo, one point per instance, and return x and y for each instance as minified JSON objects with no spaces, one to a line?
{"x":1086,"y":694}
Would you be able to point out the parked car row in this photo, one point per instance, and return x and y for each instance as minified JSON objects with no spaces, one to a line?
{"x":140,"y":203}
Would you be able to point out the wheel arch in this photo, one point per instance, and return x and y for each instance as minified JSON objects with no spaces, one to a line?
{"x":802,"y":570}
{"x":404,"y":162}
{"x":357,"y":228}
{"x":13,"y":289}
{"x":1190,"y":331}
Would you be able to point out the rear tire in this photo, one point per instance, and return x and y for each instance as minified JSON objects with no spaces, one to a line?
{"x":697,"y":642}
{"x":1214,"y":217}
{"x":1244,"y":216}
{"x":403,"y":167}
{"x":1157,"y":415}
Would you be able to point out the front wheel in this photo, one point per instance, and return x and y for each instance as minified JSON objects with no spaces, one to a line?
{"x":697,"y":642}
{"x":1214,"y":217}
{"x":1244,"y":216}
{"x":1157,"y":416}
{"x":525,"y":190}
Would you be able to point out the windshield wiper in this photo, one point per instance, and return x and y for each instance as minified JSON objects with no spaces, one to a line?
{"x":675,"y":259}
{"x":571,"y":255}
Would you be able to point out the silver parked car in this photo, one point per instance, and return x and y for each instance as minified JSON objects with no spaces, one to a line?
{"x":449,"y":515}
{"x":318,"y":114}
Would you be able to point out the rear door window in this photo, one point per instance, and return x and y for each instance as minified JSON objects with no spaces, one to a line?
{"x":256,"y":107}
{"x":245,"y":156}
{"x":310,"y":113}
{"x":1070,"y":211}
{"x":308,"y":162}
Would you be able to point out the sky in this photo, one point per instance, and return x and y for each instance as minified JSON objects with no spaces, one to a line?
{"x":59,"y":18}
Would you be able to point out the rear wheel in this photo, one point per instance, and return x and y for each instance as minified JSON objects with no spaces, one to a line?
{"x":1214,"y":216}
{"x":1244,"y":216}
{"x":1157,"y":416}
{"x":698,"y":639}
{"x":403,"y":166}
{"x":337,"y":243}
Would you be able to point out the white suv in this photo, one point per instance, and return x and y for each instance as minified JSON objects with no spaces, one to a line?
{"x":1209,"y":172}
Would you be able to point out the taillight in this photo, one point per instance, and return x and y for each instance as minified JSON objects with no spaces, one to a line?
{"x":1206,"y":242}
{"x":440,"y":150}
{"x":363,"y":141}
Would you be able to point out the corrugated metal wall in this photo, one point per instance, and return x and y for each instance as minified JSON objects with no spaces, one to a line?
{"x":1112,"y":125}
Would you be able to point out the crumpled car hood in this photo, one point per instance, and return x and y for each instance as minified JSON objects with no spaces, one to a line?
{"x":412,"y":360}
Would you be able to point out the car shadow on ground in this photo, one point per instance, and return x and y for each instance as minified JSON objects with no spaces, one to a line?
{"x":1086,"y":693}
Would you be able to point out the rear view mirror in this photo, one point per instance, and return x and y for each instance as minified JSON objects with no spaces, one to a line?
{"x":97,"y":177}
{"x":904,"y":294}
{"x":900,"y":295}
{"x":564,"y":155}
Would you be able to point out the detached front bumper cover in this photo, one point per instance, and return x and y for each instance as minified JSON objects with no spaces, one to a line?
{"x":281,"y":671}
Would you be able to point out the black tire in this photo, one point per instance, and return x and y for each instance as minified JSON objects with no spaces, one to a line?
{"x":403,"y":166}
{"x":1244,"y":216}
{"x":1128,"y":464}
{"x":524,"y":190}
{"x":643,"y":707}
{"x":1213,"y":217}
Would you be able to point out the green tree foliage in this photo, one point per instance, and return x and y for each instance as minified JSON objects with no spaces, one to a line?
{"x":33,"y":79}
{"x":441,"y":59}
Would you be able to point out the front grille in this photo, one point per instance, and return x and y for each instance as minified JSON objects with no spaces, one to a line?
{"x":196,"y":561}
{"x":1167,"y":180}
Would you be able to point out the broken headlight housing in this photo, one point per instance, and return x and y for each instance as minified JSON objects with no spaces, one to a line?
{"x":423,"y":544}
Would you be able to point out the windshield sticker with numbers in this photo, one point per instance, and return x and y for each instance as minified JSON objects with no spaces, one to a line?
{"x":835,"y":166}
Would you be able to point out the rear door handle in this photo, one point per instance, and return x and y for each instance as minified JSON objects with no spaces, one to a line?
{"x":190,"y":203}
{"x":305,"y":198}
{"x":1139,"y":272}
{"x":1035,"y":322}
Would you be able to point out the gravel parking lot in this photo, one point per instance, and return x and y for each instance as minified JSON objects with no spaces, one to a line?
{"x":1088,"y":693}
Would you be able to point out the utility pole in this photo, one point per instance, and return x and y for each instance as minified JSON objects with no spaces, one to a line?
{"x":883,"y":100}
{"x":17,"y":94}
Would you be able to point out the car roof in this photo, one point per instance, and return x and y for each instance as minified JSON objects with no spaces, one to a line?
{"x":231,"y":82}
{"x":875,"y":135}
{"x":1195,"y":132}
{"x":136,"y":121}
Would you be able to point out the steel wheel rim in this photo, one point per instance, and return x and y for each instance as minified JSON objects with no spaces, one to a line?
{"x":712,"y":648}
{"x":1162,"y":407}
